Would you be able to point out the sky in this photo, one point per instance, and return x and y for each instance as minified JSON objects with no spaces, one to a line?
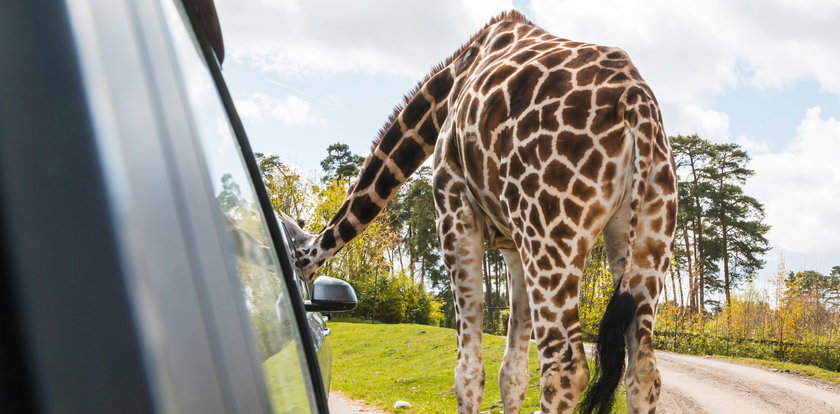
{"x":764,"y":74}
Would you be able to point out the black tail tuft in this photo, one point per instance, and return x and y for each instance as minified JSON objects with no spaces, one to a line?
{"x":600,"y":396}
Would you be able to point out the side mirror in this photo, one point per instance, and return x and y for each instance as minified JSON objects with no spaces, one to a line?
{"x":331,"y":295}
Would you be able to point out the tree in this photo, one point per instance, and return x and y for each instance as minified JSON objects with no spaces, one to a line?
{"x":414,"y":212}
{"x":231,"y":195}
{"x":288,"y":189}
{"x":737,"y":231}
{"x":690,"y":155}
{"x":718,"y":224}
{"x":340,"y":163}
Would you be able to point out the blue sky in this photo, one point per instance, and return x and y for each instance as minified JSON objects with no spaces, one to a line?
{"x":761,"y":73}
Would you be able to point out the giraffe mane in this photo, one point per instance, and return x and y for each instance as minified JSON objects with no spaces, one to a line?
{"x":506,"y":16}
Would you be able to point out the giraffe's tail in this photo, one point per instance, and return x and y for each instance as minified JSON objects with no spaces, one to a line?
{"x":644,"y":126}
{"x":600,"y":395}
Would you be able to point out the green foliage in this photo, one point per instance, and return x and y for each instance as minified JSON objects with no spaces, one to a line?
{"x":288,"y":188}
{"x":736,"y":220}
{"x":720,"y":229}
{"x":796,"y":330}
{"x":340,"y":163}
{"x":826,"y":357}
{"x":396,"y":299}
{"x":596,"y":288}
{"x":413,"y":211}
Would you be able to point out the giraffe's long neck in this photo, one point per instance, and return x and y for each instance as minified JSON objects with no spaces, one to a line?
{"x":405,"y":143}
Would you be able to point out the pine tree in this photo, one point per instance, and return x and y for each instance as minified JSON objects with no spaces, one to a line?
{"x":690,"y":155}
{"x":737,"y":231}
{"x":340,"y":163}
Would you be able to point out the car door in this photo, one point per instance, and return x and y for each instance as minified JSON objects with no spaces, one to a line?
{"x":269,"y":284}
{"x":143,"y":273}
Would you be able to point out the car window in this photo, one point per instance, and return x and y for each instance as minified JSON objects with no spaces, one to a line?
{"x":263,"y":287}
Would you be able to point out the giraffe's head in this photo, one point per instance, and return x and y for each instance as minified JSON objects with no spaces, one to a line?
{"x":307,"y":249}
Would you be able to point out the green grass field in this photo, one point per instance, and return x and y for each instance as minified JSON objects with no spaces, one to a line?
{"x":380,"y":364}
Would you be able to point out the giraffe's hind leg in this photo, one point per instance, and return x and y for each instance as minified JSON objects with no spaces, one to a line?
{"x":553,"y":264}
{"x":513,"y":374}
{"x":639,"y":258}
{"x":462,"y":245}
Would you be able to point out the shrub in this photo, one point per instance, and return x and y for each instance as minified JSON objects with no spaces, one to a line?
{"x":395,"y":299}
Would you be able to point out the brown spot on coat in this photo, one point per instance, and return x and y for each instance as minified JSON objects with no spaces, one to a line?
{"x":440,"y":85}
{"x":494,"y":113}
{"x":572,"y":210}
{"x":557,"y":175}
{"x":595,"y":212}
{"x":548,"y":117}
{"x":584,"y":191}
{"x":528,"y":125}
{"x":550,"y":206}
{"x":556,"y":85}
{"x":592,"y":166}
{"x":573,"y":146}
{"x":408,"y":156}
{"x":521,"y":87}
{"x":365,"y":209}
{"x":613,"y":142}
{"x":576,"y":108}
{"x":530,"y":183}
{"x":502,"y":41}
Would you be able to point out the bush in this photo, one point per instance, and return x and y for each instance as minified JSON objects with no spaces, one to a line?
{"x":702,"y":334}
{"x":395,"y":299}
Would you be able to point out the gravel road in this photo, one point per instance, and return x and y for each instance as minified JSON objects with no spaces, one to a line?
{"x":693,"y":384}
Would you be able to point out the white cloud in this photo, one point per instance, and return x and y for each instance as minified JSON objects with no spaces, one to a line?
{"x":689,"y":51}
{"x":692,"y":119}
{"x":329,"y":36}
{"x":283,"y":5}
{"x":290,"y":111}
{"x":800,"y":187}
{"x":752,"y":145}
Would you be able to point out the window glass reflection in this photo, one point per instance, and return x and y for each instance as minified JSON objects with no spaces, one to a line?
{"x":266,"y":295}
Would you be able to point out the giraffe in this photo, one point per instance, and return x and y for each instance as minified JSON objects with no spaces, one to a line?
{"x":540,"y":144}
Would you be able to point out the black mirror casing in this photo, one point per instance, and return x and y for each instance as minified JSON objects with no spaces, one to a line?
{"x":331,"y":295}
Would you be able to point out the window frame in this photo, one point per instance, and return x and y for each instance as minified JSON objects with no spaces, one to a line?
{"x":275,"y":231}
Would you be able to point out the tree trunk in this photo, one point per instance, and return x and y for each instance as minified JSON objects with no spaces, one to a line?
{"x":725,"y":262}
{"x":410,"y":252}
{"x":674,"y":286}
{"x":488,"y":288}
{"x":698,"y":241}
{"x":692,"y":282}
{"x":679,"y":278}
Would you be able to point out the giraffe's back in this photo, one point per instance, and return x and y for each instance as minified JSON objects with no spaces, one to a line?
{"x":540,"y":109}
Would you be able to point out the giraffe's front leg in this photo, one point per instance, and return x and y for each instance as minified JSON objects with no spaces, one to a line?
{"x":513,"y":374}
{"x":463,"y":252}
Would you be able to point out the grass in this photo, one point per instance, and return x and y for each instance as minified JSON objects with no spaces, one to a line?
{"x":380,"y":364}
{"x":807,"y":370}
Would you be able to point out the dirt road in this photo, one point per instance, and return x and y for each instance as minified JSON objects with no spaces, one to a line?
{"x":693,"y":384}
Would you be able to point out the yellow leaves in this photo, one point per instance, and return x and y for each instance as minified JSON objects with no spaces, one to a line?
{"x":369,"y":252}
